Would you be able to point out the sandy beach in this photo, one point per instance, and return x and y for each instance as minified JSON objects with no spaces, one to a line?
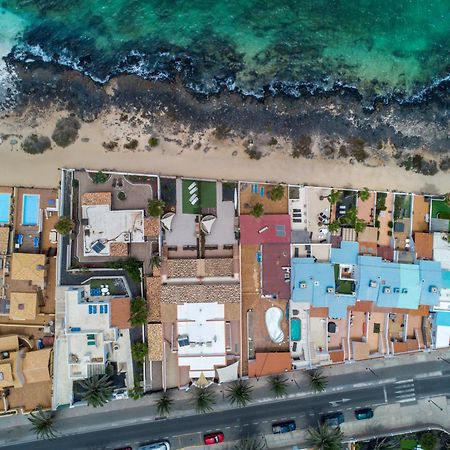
{"x":184,"y":153}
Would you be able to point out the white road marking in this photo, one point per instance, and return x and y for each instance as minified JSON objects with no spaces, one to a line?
{"x":405,"y":400}
{"x":403,"y":391}
{"x":385,"y":394}
{"x":405,"y":381}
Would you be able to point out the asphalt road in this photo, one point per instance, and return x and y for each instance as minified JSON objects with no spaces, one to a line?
{"x":257,"y":419}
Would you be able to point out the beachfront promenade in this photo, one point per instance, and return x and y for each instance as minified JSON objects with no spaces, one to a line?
{"x":350,"y":386}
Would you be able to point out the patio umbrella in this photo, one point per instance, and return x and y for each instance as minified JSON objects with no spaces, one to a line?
{"x":166,"y":221}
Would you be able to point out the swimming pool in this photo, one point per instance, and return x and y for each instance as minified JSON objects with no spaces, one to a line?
{"x":295,"y":329}
{"x":5,"y":204}
{"x":30,"y":209}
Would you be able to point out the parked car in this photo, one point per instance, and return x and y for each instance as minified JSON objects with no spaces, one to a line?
{"x":123,"y":448}
{"x":363,"y":413}
{"x":333,"y":419}
{"x":213,"y":438}
{"x":162,"y":445}
{"x":283,"y":427}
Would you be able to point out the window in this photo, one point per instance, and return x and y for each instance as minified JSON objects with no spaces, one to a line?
{"x":280,"y":230}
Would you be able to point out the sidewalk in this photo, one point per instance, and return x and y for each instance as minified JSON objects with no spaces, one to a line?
{"x":126,"y":412}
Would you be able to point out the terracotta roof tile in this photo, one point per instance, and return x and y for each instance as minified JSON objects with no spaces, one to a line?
{"x":155,"y":341}
{"x":4,"y":239}
{"x":96,"y":198}
{"x":269,"y":364}
{"x":151,"y":226}
{"x":120,"y":312}
{"x":153,"y":296}
{"x":118,"y":249}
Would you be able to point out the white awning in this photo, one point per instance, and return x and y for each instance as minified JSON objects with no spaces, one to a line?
{"x":228,"y":373}
{"x":207,"y":222}
{"x":166,"y":221}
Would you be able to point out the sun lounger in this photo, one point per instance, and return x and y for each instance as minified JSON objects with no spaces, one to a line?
{"x":254,"y":188}
{"x":193,"y":189}
{"x":195,"y":201}
{"x":192,"y":185}
{"x":261,"y":192}
{"x":192,"y":197}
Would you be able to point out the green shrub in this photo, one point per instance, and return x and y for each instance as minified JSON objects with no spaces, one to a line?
{"x":302,"y":148}
{"x":121,"y":195}
{"x":99,"y":177}
{"x":34,"y":144}
{"x":253,"y":153}
{"x":153,"y":141}
{"x":377,"y":224}
{"x":64,"y":225}
{"x":131,"y":266}
{"x":139,"y":351}
{"x":390,"y":224}
{"x":257,"y":210}
{"x":389,"y":233}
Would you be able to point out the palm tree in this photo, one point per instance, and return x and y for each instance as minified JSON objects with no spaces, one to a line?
{"x":334,"y":226}
{"x":155,"y":208}
{"x":278,"y":385}
{"x":240,"y":393}
{"x":276,"y":193}
{"x":360,"y":225}
{"x":164,"y":405}
{"x":333,"y":197}
{"x":257,"y":210}
{"x":203,"y":400}
{"x":364,"y":194}
{"x":317,"y":380}
{"x":155,"y":261}
{"x":386,"y":443}
{"x":250,"y":443}
{"x":42,"y":423}
{"x":96,"y":390}
{"x":324,"y":438}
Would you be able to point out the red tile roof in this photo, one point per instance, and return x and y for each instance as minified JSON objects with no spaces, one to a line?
{"x":278,"y":229}
{"x":120,"y":312}
{"x":269,"y":364}
{"x":274,"y":258}
{"x":423,"y":243}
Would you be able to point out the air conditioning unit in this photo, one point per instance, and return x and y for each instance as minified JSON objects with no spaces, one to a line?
{"x":387,"y":290}
{"x":330,"y":290}
{"x":434,"y":289}
{"x":316,"y":283}
{"x":302,"y":285}
{"x":373,"y":284}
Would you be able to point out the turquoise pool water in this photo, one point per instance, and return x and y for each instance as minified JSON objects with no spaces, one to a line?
{"x":296,"y":334}
{"x":5,"y":204}
{"x":30,"y":209}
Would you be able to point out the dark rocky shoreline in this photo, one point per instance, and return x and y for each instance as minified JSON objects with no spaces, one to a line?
{"x":341,"y":116}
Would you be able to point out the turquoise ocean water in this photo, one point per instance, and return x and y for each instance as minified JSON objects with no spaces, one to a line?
{"x":380,"y":47}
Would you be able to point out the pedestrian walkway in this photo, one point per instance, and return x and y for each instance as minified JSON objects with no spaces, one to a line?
{"x":344,"y":377}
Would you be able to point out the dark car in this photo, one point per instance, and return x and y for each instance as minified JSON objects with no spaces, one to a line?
{"x":333,"y":419}
{"x":363,"y":413}
{"x":283,"y":427}
{"x":213,"y":438}
{"x":123,"y":448}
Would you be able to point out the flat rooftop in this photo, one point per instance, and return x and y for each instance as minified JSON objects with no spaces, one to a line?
{"x":102,"y":227}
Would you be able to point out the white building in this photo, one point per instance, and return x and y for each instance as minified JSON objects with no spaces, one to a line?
{"x":201,"y":338}
{"x":92,"y":341}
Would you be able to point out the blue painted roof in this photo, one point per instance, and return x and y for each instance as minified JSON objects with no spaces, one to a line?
{"x":446,"y":279}
{"x":443,"y":318}
{"x":347,"y":254}
{"x":398,"y":285}
{"x":431,"y":280}
{"x":318,"y":277}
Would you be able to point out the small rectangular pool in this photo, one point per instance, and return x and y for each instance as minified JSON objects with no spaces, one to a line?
{"x":296,"y":325}
{"x":5,"y":207}
{"x":30,"y":209}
